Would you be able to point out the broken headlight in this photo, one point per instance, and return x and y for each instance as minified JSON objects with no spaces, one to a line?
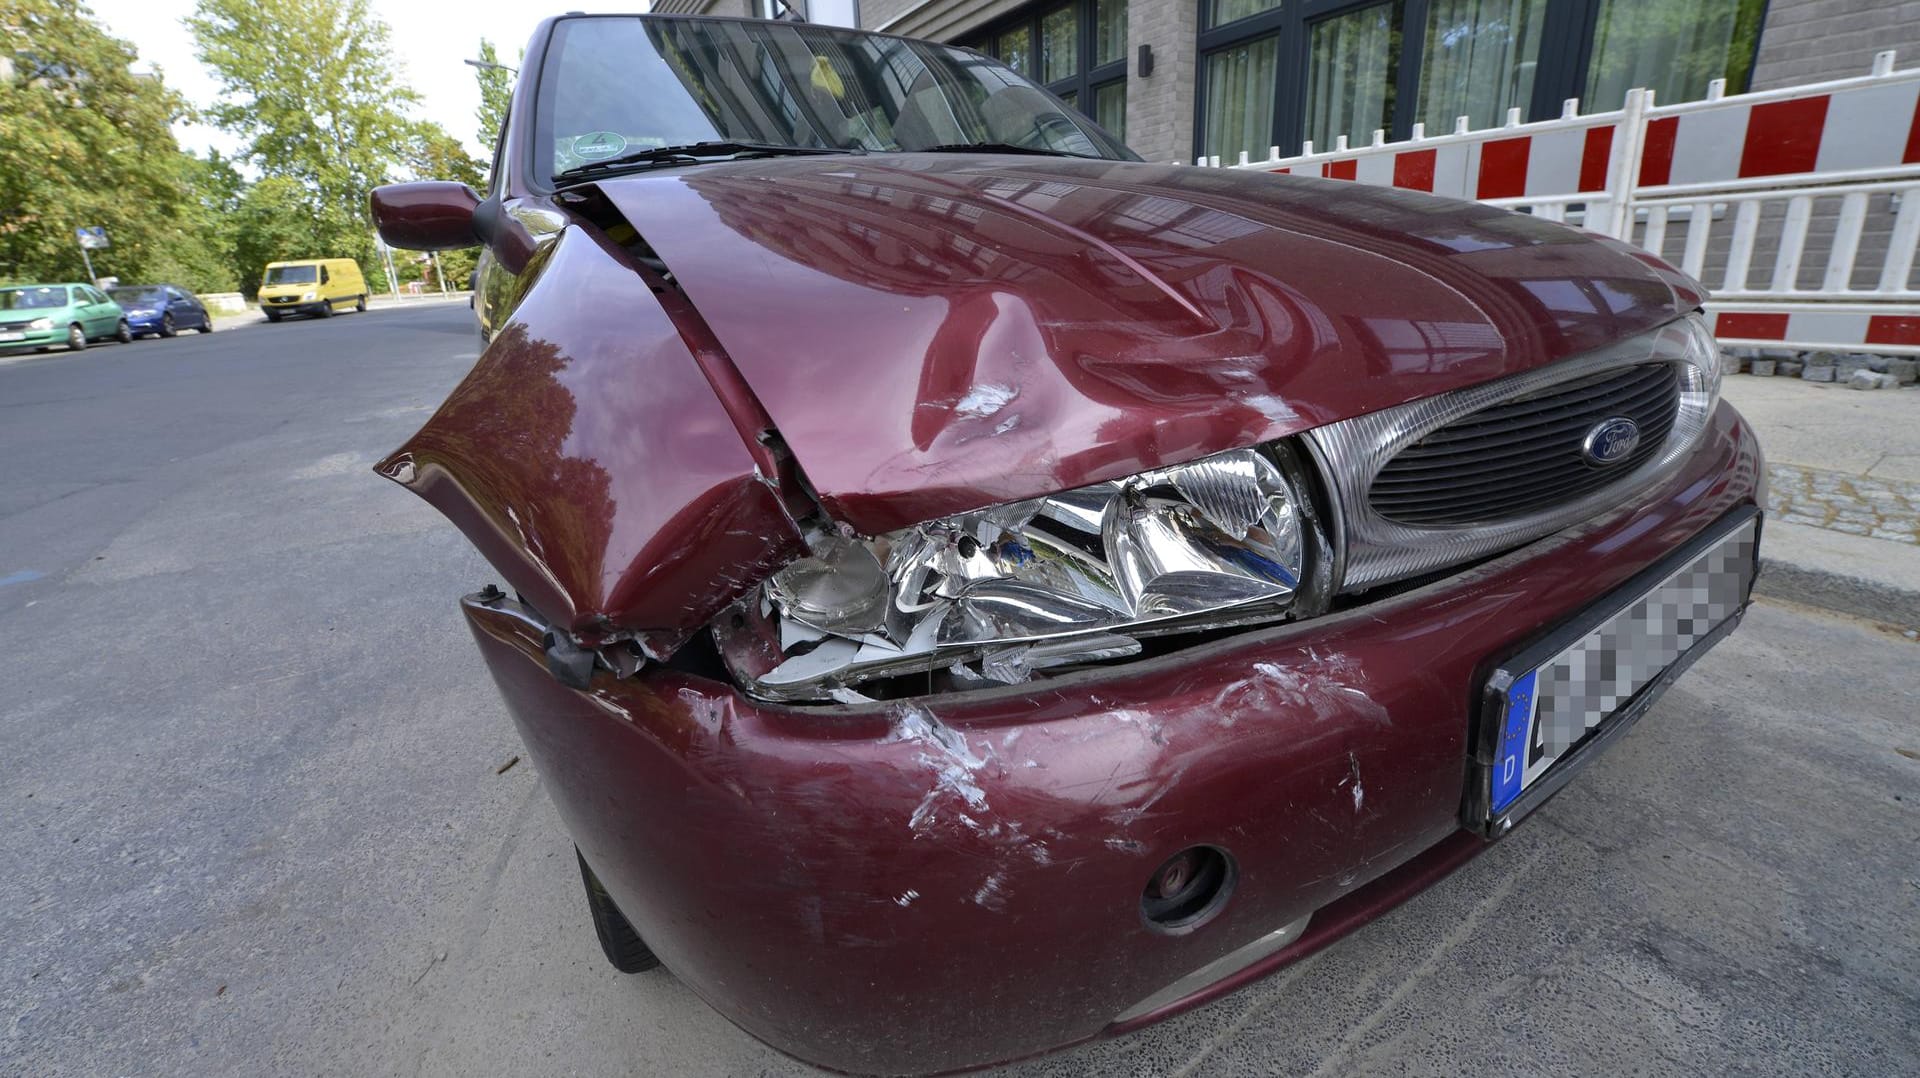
{"x":998,"y":594}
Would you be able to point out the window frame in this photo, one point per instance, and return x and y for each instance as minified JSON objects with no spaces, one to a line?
{"x":1083,"y":83}
{"x":1566,"y":53}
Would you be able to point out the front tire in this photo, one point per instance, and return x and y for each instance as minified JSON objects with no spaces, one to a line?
{"x":361,"y":306}
{"x":124,"y":334}
{"x":273,"y":316}
{"x":166,"y":326}
{"x":624,"y":948}
{"x":326,"y":309}
{"x":76,"y":338}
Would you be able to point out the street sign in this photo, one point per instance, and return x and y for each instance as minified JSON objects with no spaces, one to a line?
{"x":91,"y":239}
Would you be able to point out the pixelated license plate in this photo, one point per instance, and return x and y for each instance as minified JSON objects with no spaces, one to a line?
{"x":1557,"y":704}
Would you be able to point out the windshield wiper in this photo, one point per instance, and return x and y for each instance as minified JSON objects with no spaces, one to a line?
{"x":1000,"y":147}
{"x":694,"y":151}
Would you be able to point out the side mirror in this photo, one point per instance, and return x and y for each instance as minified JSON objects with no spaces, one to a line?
{"x":432,"y":215}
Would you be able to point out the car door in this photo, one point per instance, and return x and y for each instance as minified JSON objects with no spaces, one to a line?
{"x":87,"y":312}
{"x":183,"y":309}
{"x":108,"y":311}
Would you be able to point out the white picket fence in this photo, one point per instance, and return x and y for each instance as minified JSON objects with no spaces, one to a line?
{"x":1799,"y":208}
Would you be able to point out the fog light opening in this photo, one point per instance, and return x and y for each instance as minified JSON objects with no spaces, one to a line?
{"x":1188,"y":889}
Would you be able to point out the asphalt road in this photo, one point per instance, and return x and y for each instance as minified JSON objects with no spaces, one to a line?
{"x":250,"y":821}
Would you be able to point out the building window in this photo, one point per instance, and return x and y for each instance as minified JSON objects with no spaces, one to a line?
{"x":1352,"y":63}
{"x":1673,"y":49}
{"x":1110,"y":108}
{"x":1015,"y":49}
{"x":1240,"y":83}
{"x":1052,"y":44}
{"x":1109,"y":31}
{"x":1277,"y":72}
{"x":1059,"y":45}
{"x":1479,"y":61}
{"x":1222,"y":12}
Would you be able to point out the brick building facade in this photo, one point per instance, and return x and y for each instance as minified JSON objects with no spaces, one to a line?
{"x":1180,"y":78}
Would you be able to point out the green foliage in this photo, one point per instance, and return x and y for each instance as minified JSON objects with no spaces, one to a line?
{"x":269,"y":225}
{"x":433,"y":154}
{"x":496,"y":93}
{"x":84,"y":141}
{"x":313,"y":89}
{"x":458,"y":266}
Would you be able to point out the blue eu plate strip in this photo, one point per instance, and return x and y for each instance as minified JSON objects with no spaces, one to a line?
{"x":1510,"y":756}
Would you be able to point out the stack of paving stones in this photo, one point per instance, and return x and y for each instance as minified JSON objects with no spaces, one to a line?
{"x":1856,"y":504}
{"x":1855,"y":370}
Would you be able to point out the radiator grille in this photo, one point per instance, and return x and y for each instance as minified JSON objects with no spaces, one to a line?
{"x":1524,"y":454}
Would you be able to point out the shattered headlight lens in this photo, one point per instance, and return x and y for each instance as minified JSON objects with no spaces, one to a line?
{"x":1076,"y":577}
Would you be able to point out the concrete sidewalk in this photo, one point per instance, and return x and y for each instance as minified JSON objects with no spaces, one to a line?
{"x":252,"y":316}
{"x":1843,"y":531}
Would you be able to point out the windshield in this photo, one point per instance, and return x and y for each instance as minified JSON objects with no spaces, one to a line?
{"x":22,"y":299}
{"x":136,"y":295}
{"x":617,"y":85}
{"x":291,"y":275}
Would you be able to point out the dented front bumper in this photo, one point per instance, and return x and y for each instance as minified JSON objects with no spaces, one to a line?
{"x":955,"y":881}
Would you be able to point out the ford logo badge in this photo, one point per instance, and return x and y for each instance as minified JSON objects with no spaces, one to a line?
{"x":1611,"y":441}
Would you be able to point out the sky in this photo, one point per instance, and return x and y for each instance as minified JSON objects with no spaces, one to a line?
{"x":428,"y":37}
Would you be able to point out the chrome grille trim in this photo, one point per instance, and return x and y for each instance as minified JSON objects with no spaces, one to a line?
{"x":1524,"y":455}
{"x":1353,"y":452}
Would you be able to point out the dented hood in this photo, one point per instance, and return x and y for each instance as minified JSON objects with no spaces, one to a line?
{"x":932,"y":333}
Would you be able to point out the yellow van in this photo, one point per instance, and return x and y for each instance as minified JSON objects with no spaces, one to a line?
{"x":317,"y":286}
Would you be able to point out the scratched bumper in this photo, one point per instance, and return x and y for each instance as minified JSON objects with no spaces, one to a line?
{"x":898,"y":888}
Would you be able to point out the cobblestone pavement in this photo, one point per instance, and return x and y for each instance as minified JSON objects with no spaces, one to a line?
{"x":1856,"y":504}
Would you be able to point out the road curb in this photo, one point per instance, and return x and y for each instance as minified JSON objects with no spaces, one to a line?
{"x":1848,"y":574}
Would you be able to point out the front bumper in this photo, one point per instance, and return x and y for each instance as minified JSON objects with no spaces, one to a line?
{"x":290,"y":305}
{"x":35,"y":338}
{"x":955,"y":881}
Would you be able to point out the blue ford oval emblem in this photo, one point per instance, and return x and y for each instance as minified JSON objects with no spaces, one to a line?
{"x":1611,"y":440}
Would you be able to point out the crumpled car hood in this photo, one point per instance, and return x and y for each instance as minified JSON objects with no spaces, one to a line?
{"x":937,"y":333}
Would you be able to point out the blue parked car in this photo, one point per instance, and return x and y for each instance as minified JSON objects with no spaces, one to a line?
{"x":162,"y":309}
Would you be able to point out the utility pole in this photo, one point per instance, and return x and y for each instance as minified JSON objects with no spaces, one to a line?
{"x":89,"y":238}
{"x":386,"y":260}
{"x":437,"y":275}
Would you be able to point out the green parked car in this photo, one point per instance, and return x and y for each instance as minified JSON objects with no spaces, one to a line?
{"x":41,"y":316}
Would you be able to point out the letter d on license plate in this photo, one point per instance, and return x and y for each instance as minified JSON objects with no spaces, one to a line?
{"x":1550,"y":709}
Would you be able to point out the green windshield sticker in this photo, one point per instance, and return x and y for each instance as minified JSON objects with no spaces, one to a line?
{"x":598,"y":145}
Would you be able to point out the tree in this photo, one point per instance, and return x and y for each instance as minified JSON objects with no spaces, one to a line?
{"x":86,"y":142}
{"x":496,"y":93}
{"x":264,"y":231}
{"x":433,"y":154}
{"x":314,"y":90}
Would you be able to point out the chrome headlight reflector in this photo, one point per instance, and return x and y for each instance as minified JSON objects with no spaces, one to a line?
{"x":1076,"y":577}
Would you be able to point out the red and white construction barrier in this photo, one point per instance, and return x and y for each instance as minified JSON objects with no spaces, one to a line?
{"x":1825,"y":327}
{"x":1726,"y":176}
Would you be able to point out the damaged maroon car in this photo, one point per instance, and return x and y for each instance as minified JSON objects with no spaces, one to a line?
{"x":969,"y":591}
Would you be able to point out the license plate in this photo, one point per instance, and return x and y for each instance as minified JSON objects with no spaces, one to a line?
{"x":13,"y":336}
{"x":1552,"y":708}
